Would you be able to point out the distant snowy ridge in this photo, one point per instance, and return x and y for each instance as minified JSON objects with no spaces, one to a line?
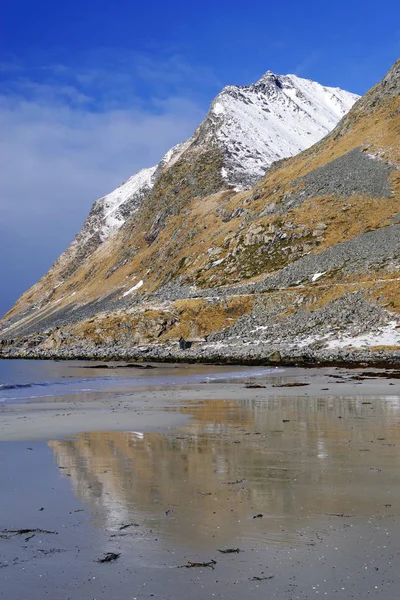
{"x":109,"y":213}
{"x":114,"y":205}
{"x":127,"y":198}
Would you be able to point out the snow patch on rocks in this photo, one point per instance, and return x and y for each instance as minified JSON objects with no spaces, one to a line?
{"x":133,"y":289}
{"x":386,"y":336}
{"x":109,"y":213}
{"x":316,"y":276}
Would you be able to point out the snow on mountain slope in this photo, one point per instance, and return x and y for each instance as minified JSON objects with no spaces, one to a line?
{"x":110,"y":212}
{"x":107,"y":216}
{"x":272,"y":119}
{"x":114,"y":204}
{"x":114,"y":208}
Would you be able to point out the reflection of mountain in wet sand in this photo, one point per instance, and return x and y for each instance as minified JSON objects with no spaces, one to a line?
{"x":239,"y":459}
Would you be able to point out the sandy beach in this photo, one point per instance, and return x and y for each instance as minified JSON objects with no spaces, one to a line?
{"x":278,"y":484}
{"x":146,"y":409}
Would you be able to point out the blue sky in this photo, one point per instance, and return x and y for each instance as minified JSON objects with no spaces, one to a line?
{"x":92,"y":91}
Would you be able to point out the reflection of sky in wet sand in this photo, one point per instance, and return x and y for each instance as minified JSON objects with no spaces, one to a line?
{"x":204,"y":483}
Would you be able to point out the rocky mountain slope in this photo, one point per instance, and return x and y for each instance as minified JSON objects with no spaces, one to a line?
{"x":303,"y":266}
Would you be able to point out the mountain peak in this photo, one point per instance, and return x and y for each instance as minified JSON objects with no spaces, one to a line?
{"x":274,"y":118}
{"x":268,"y":77}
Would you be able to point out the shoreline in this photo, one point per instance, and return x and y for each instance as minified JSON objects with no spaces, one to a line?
{"x":385,"y":360}
{"x":152,"y":408}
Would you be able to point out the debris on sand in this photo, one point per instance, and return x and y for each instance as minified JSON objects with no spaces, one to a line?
{"x":230,"y":551}
{"x":193,"y":565}
{"x":26,"y":531}
{"x":295,"y":384}
{"x":342,"y":515}
{"x":136,"y":366}
{"x":252,"y":386}
{"x":127,"y":366}
{"x":261,"y":578}
{"x":234,"y":482}
{"x":109,"y":557}
{"x":52,"y":551}
{"x":125,"y":526}
{"x":259,"y":516}
{"x":376,"y":375}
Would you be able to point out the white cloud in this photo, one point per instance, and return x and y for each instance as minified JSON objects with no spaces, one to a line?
{"x":57,"y":158}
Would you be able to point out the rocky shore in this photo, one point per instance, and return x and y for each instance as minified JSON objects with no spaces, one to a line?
{"x":206,"y":353}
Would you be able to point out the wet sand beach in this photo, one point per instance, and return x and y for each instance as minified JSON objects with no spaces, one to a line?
{"x":210,"y":487}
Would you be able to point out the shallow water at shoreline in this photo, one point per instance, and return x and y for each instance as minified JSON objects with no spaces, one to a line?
{"x":301,"y":484}
{"x":22,"y":380}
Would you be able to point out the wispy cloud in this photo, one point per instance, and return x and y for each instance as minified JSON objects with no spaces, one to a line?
{"x":304,"y":66}
{"x":54,"y":154}
{"x":113,"y":79}
{"x":174,"y":70}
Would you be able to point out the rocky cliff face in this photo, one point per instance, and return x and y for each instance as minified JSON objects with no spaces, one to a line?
{"x":303,"y":265}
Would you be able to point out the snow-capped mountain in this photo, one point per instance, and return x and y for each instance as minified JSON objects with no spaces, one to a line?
{"x":252,"y":126}
{"x":277,"y":117}
{"x":247,"y":127}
